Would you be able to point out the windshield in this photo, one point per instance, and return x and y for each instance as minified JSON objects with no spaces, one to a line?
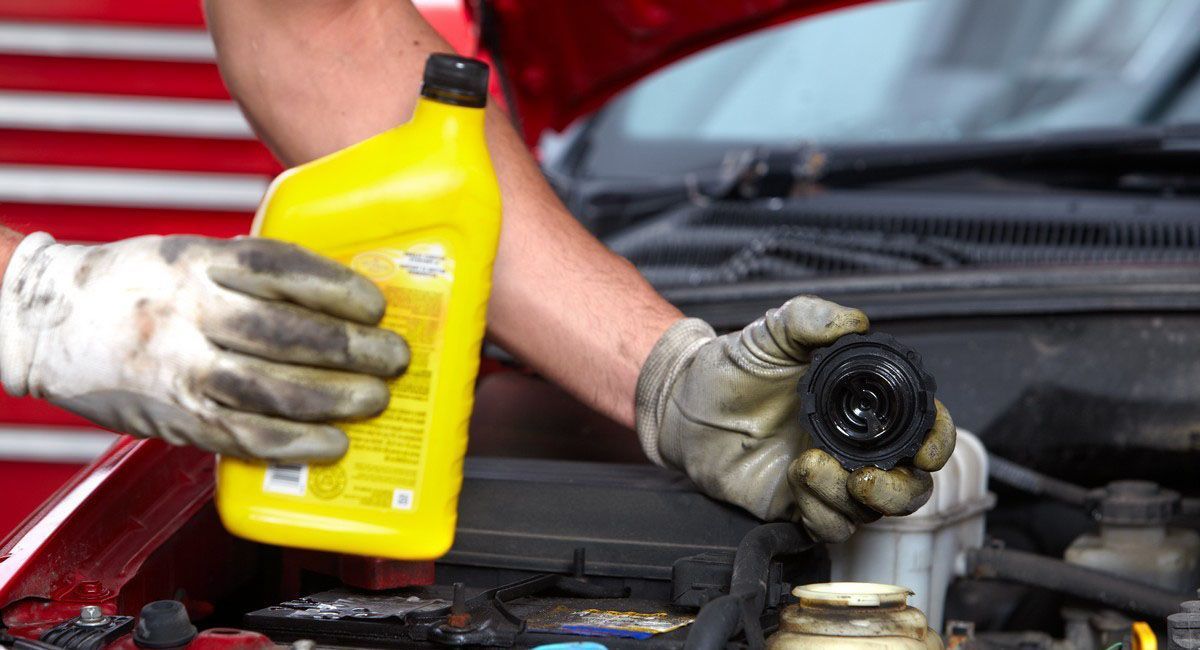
{"x":911,"y":70}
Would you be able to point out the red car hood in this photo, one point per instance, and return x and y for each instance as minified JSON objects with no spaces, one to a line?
{"x":564,"y":59}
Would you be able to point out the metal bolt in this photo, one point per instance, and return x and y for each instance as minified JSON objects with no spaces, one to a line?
{"x":91,"y":616}
{"x":579,"y":563}
{"x":459,"y":616}
{"x":959,"y":633}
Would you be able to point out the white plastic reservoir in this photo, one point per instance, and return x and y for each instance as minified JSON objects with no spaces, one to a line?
{"x":919,"y":551}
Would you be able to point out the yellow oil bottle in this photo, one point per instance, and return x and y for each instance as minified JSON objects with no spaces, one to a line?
{"x":417,"y":210}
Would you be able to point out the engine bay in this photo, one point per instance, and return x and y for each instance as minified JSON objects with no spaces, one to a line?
{"x":1078,"y":384}
{"x":629,"y":556}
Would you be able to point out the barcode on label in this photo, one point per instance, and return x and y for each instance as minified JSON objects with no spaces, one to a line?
{"x":402,"y":499}
{"x":286,"y":479}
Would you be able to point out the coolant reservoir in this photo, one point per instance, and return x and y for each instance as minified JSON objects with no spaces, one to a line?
{"x":919,"y":551}
{"x":1134,"y":540}
{"x":852,"y":615}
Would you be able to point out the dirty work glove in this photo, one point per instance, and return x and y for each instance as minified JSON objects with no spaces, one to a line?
{"x":726,"y":410}
{"x":246,"y":347}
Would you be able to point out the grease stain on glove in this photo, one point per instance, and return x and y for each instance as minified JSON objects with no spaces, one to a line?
{"x":246,"y":347}
{"x":726,"y":411}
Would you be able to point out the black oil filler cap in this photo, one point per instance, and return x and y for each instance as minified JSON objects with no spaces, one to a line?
{"x":456,"y":80}
{"x":868,"y":401}
{"x":163,"y":624}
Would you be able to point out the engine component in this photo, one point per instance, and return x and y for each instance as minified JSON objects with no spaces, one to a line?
{"x":459,"y":618}
{"x":1183,"y":627}
{"x":163,"y":624}
{"x":698,"y":579}
{"x":1134,"y":540}
{"x":1022,"y":478}
{"x":1095,"y":628}
{"x":1142,"y":636}
{"x":721,"y":618}
{"x":1046,"y":572}
{"x":868,"y":401}
{"x":91,"y":630}
{"x":526,"y":613}
{"x":743,"y":591}
{"x":851,"y":615}
{"x":633,"y":520}
{"x":8,"y":641}
{"x":919,"y":551}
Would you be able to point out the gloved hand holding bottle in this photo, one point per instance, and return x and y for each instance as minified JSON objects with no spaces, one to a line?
{"x":247,"y":347}
{"x":725,"y":410}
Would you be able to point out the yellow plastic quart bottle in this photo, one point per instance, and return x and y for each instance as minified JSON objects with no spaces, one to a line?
{"x":417,"y":210}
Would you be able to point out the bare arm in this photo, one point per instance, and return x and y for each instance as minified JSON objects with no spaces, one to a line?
{"x":8,"y":243}
{"x":314,"y":76}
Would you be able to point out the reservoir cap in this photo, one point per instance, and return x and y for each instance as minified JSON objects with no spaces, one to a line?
{"x":456,"y":80}
{"x":163,"y":624}
{"x":868,"y":401}
{"x":1134,"y":503}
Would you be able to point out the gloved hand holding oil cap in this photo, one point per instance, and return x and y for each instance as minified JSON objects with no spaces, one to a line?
{"x":726,"y":411}
{"x":245,"y":347}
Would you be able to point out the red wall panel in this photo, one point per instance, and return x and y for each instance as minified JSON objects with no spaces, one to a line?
{"x":196,"y":80}
{"x":106,"y":223}
{"x":27,"y":410}
{"x":142,"y":12}
{"x":135,"y":152}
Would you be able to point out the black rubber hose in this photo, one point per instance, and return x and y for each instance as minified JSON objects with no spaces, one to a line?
{"x":1088,"y":584}
{"x":1027,"y":480}
{"x":1033,"y":482}
{"x":722,"y":617}
{"x":715,"y":624}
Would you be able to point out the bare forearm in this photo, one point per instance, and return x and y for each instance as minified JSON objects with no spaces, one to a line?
{"x":318,"y":75}
{"x":8,"y":243}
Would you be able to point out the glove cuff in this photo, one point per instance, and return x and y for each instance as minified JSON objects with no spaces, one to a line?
{"x":18,"y":301}
{"x":671,"y":355}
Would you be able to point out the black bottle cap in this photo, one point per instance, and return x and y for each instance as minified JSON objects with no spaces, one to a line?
{"x":868,"y":401}
{"x":456,"y":80}
{"x":163,"y":624}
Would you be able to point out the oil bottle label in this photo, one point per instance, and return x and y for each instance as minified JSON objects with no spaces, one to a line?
{"x":383,"y":468}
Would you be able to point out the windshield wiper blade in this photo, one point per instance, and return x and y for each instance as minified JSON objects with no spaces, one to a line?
{"x":854,"y":164}
{"x":766,"y":172}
